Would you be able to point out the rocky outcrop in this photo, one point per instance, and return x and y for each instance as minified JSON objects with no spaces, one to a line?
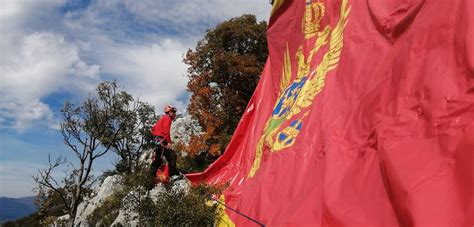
{"x":110,"y":185}
{"x":181,"y":131}
{"x":183,"y":128}
{"x":127,"y":215}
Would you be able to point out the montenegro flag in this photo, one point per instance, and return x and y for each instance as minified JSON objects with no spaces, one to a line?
{"x":363,"y":116}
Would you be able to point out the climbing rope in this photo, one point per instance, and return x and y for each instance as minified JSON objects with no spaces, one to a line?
{"x":239,"y":213}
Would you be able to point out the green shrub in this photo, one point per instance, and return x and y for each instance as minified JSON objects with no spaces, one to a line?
{"x":194,"y":163}
{"x":172,"y":207}
{"x":107,"y":212}
{"x":180,"y":208}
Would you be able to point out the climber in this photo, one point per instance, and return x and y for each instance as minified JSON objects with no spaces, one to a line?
{"x":162,"y":138}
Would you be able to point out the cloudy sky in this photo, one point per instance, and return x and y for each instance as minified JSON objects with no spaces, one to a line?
{"x":57,"y":50}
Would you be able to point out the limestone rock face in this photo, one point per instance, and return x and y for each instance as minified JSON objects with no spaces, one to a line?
{"x":146,"y":157}
{"x":183,"y":128}
{"x":127,"y":215}
{"x":110,"y":185}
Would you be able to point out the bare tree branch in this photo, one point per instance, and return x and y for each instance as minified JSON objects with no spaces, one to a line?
{"x":110,"y":121}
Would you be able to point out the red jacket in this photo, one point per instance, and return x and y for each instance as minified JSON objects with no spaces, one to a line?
{"x":162,"y":128}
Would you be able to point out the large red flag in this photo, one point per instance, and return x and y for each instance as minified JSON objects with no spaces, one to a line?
{"x":363,"y":116}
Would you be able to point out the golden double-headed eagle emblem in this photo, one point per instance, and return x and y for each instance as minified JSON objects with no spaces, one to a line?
{"x":297,"y":92}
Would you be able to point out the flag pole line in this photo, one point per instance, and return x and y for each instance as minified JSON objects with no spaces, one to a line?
{"x":239,"y":213}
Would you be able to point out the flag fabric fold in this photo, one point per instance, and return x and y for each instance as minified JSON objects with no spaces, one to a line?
{"x":363,"y":116}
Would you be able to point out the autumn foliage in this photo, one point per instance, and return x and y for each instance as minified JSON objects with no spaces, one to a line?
{"x":223,"y":72}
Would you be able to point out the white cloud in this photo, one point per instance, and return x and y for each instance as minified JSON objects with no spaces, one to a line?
{"x":170,"y":14}
{"x":137,"y":51}
{"x":15,"y":14}
{"x":35,"y":61}
{"x":25,"y":112}
{"x":43,"y":50}
{"x":153,"y":72}
{"x":40,"y":63}
{"x":34,"y":67}
{"x":185,"y":14}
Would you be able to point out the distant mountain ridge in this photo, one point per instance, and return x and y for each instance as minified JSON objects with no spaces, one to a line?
{"x":14,"y":208}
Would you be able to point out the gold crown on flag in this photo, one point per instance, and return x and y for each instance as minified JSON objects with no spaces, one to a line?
{"x":314,"y":11}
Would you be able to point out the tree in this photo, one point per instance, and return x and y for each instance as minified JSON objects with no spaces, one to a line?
{"x":223,"y":72}
{"x":135,"y":119}
{"x":90,"y":130}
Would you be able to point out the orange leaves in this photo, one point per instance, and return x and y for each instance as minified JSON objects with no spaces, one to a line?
{"x":215,"y":149}
{"x":223,"y":72}
{"x":197,"y":145}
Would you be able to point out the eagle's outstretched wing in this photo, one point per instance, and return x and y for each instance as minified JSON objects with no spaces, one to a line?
{"x":328,"y":63}
{"x":286,"y":72}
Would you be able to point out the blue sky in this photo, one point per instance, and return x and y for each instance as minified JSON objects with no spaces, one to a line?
{"x":55,"y":50}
